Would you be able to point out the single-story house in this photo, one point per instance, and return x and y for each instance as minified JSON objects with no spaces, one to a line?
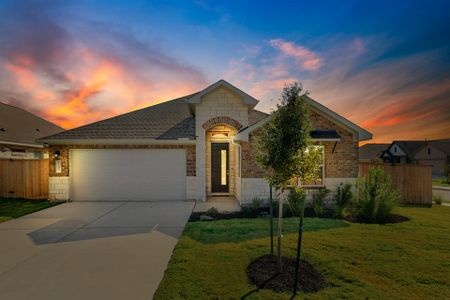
{"x":19,"y":130}
{"x":433,"y":152}
{"x":372,"y":152}
{"x":194,"y":147}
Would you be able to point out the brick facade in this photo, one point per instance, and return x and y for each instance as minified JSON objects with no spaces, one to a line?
{"x":64,"y":155}
{"x":342,"y":163}
{"x":221,"y":120}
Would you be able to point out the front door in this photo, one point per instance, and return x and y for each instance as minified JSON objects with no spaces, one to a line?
{"x":220,"y":168}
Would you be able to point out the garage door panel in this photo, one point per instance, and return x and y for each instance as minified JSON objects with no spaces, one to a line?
{"x":118,"y":175}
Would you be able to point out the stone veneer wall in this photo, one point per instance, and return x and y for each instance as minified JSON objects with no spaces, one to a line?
{"x":219,"y":103}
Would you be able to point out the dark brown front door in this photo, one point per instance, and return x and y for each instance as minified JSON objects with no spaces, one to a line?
{"x":220,"y":168}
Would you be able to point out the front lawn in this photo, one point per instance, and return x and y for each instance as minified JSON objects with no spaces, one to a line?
{"x":408,"y":260}
{"x":11,"y":208}
{"x":441,"y":182}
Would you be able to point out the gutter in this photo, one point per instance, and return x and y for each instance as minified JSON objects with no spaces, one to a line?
{"x":22,"y":144}
{"x":183,"y":141}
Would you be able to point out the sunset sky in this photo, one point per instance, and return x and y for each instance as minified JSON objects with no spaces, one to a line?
{"x":384,"y":65}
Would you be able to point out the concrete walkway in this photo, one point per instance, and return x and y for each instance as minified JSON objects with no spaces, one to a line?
{"x":92,"y":250}
{"x":222,"y":204}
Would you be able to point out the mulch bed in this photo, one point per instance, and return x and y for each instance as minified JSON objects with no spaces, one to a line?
{"x":393,"y":218}
{"x":247,"y":212}
{"x":263,"y":272}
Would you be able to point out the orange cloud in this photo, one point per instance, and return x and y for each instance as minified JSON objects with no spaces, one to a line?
{"x":25,"y":78}
{"x":96,"y":88}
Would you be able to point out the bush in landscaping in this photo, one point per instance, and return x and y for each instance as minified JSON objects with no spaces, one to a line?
{"x":342,"y":199}
{"x":437,"y":199}
{"x":256,"y":203}
{"x":318,"y":201}
{"x":212,"y":212}
{"x":375,"y":197}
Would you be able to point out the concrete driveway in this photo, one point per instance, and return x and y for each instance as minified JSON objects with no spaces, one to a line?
{"x":90,"y":250}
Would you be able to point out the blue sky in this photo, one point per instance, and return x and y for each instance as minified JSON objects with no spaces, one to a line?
{"x":383,"y":64}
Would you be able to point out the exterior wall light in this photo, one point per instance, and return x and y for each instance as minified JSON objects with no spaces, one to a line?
{"x":57,"y":154}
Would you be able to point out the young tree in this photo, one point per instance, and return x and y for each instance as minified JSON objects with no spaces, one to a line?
{"x":284,"y":148}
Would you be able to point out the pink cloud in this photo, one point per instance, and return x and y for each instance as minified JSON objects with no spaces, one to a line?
{"x":305,"y":58}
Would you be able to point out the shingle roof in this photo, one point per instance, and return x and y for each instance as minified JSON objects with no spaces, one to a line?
{"x":169,"y":120}
{"x":147,"y":123}
{"x":443,"y":145}
{"x":22,"y":127}
{"x":409,"y":147}
{"x":372,"y":151}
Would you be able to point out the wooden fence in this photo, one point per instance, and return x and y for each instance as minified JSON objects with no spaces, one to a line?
{"x":24,"y":178}
{"x":412,"y":181}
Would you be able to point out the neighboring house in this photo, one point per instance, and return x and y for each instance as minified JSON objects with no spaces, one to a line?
{"x":371,"y":152}
{"x":194,"y":147}
{"x":19,"y":130}
{"x":434,"y":153}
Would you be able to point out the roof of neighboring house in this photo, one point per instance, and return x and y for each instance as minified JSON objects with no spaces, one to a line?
{"x":443,"y":145}
{"x":22,"y":128}
{"x":372,"y":151}
{"x":409,"y":147}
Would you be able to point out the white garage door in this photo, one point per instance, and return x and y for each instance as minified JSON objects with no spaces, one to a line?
{"x":121,"y":175}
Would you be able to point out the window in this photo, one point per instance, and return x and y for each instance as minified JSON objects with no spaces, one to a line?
{"x":395,"y":149}
{"x":18,"y":152}
{"x":223,"y":167}
{"x":429,"y":151}
{"x":37,"y":154}
{"x":318,"y":179}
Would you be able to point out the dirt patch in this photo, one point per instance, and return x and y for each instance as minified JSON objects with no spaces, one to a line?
{"x":263,"y":272}
{"x":393,"y":218}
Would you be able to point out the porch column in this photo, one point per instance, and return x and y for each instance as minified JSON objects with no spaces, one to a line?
{"x":200,"y":161}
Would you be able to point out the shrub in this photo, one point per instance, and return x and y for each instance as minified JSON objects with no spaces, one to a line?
{"x":294,"y":199}
{"x":256,"y":203}
{"x":437,"y":199}
{"x":375,"y":197}
{"x":342,"y":199}
{"x":212,"y":212}
{"x":318,"y":201}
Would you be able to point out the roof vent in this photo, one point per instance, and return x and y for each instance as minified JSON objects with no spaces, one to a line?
{"x":37,"y":129}
{"x":2,"y":129}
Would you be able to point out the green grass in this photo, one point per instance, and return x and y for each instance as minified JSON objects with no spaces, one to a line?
{"x":408,"y":260}
{"x":246,"y":229}
{"x":11,"y":208}
{"x":441,"y":182}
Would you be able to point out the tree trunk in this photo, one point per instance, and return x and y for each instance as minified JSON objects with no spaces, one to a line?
{"x":280,"y":233}
{"x":271,"y":219}
{"x":299,"y":243}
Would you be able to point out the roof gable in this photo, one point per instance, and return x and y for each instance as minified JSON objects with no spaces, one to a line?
{"x":324,"y":111}
{"x":359,"y":133}
{"x":246,"y":98}
{"x":409,"y":148}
